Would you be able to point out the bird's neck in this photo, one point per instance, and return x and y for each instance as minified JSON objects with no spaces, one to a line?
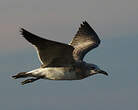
{"x":81,"y":70}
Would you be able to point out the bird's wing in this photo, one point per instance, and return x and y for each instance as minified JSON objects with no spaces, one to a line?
{"x":85,"y":40}
{"x":50,"y":53}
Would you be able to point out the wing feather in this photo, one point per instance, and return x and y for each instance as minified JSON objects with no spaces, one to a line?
{"x":51,"y":53}
{"x":85,"y":40}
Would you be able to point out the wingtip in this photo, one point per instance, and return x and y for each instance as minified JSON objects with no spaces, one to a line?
{"x":21,"y":30}
{"x":84,"y":23}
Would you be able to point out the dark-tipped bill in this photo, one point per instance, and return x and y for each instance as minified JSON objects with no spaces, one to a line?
{"x":102,"y":72}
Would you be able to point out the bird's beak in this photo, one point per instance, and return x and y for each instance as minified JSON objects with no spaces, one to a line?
{"x":102,"y":72}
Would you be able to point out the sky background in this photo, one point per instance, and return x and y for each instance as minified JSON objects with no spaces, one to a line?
{"x":116,"y":23}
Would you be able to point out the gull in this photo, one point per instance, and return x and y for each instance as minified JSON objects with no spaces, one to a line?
{"x":62,"y":61}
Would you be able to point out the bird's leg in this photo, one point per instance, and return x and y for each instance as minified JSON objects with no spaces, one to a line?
{"x":30,"y":80}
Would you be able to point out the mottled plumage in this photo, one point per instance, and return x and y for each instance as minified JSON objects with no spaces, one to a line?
{"x":85,"y":40}
{"x":62,"y":61}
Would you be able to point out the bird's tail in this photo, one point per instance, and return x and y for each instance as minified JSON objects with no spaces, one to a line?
{"x":24,"y":75}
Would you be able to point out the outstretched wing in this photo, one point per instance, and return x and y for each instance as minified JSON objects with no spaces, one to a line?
{"x":51,"y":53}
{"x":85,"y":40}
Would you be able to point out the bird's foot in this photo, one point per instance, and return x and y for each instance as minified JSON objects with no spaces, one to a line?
{"x":29,"y":80}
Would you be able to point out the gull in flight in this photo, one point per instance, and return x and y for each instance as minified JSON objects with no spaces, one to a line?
{"x":63,"y":61}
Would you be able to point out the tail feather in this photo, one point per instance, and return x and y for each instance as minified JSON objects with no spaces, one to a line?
{"x":20,"y":75}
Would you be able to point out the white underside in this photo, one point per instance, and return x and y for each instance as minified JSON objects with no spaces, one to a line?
{"x":58,"y":73}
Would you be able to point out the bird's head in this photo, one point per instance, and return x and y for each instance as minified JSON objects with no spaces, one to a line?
{"x":94,"y":69}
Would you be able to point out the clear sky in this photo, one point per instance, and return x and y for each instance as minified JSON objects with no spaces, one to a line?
{"x":116,"y":23}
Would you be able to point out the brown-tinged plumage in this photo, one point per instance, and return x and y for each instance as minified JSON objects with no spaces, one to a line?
{"x":62,"y":61}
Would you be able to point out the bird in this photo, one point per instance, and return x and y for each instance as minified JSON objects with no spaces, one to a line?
{"x":60,"y":61}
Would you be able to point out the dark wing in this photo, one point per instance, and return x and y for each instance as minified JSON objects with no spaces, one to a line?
{"x":85,"y":40}
{"x":51,"y":53}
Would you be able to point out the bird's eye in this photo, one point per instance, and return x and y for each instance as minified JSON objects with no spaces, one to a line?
{"x":92,"y":67}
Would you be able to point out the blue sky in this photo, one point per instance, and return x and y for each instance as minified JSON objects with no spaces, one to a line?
{"x":116,"y":23}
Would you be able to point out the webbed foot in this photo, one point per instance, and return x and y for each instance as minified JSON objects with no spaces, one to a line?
{"x":29,"y":80}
